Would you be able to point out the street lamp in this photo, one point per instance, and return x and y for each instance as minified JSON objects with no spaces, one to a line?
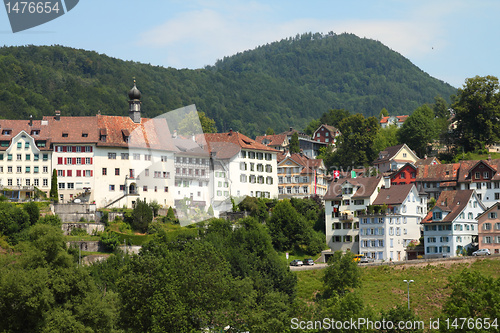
{"x":408,"y":283}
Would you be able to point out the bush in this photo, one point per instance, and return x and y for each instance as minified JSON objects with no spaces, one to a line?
{"x":110,"y":241}
{"x":105,"y":217}
{"x":78,"y":232}
{"x":54,"y":220}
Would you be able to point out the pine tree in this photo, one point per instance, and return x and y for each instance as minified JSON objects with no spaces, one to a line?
{"x":54,"y":194}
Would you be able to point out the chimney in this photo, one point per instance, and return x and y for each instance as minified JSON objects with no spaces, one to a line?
{"x":230,"y":131}
{"x":175,"y":134}
{"x":31,"y":120}
{"x":58,"y":115}
{"x":291,"y":129}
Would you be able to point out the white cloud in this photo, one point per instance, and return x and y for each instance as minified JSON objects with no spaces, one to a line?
{"x":199,"y":37}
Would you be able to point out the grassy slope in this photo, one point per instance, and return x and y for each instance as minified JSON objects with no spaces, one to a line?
{"x":383,"y":286}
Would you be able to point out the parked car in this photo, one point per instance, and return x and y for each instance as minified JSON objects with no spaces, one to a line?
{"x":365,"y":260}
{"x":296,"y":262}
{"x":357,"y":257}
{"x":308,"y":261}
{"x":481,"y":252}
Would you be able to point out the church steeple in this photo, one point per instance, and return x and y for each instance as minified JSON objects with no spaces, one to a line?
{"x":134,"y":110}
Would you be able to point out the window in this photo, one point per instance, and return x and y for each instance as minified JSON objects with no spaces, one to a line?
{"x":117,"y":171}
{"x":136,"y":156}
{"x":28,"y":169}
{"x":28,"y":157}
{"x":243,"y":178}
{"x":164,"y":158}
{"x":45,"y":169}
{"x":19,"y":157}
{"x":19,"y":145}
{"x":111,"y":187}
{"x":61,"y":186}
{"x":487,"y":240}
{"x":486,"y":175}
{"x":124,"y":156}
{"x":9,"y":182}
{"x":45,"y":182}
{"x":45,"y":157}
{"x":9,"y":157}
{"x":88,"y":160}
{"x":104,"y":171}
{"x":71,"y":186}
{"x":112,"y":156}
{"x":493,"y":215}
{"x":165,"y":189}
{"x":487,"y":226}
{"x":477,"y":175}
{"x":19,"y":169}
{"x":36,"y":182}
{"x":147,"y":157}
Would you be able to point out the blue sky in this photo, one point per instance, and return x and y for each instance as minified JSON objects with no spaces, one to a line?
{"x":450,"y":39}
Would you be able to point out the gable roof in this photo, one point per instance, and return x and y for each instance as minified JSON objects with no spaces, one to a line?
{"x":308,"y":164}
{"x":367,"y":184}
{"x":427,"y":161}
{"x":274,"y":140}
{"x":495,"y":206}
{"x":394,"y":195}
{"x":400,"y":119}
{"x":452,"y":202}
{"x":388,"y":153}
{"x":438,"y":172}
{"x":149,"y":133}
{"x":467,"y":166}
{"x":227,"y":145}
{"x":332,"y":129}
{"x":17,"y":126}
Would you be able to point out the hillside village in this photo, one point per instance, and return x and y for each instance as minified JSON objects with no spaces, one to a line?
{"x":401,"y":207}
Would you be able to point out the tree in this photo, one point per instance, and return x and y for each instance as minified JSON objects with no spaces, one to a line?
{"x":269,"y":131}
{"x":383,"y":113}
{"x":294,"y":143}
{"x":477,"y":113}
{"x":54,"y":195}
{"x":196,"y":123}
{"x":142,"y":215}
{"x":333,"y":117}
{"x":155,"y":206}
{"x":341,"y":275}
{"x":386,"y":137}
{"x":286,"y":226}
{"x":33,"y":211}
{"x":355,"y":144}
{"x":419,"y":130}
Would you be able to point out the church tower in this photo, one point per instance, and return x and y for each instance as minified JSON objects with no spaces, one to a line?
{"x":134,"y":109}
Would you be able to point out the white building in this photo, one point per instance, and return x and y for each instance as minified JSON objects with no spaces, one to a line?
{"x":451,"y":225}
{"x":240,"y":167}
{"x":345,"y":200}
{"x":384,"y":235}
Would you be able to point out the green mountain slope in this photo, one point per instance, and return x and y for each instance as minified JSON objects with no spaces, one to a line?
{"x":282,"y":84}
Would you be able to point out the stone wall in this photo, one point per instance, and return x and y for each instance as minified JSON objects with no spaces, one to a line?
{"x":90,"y":246}
{"x":72,"y":212}
{"x":90,"y":228}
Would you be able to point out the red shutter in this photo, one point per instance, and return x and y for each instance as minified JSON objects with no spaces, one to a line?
{"x":74,"y":160}
{"x":70,"y":173}
{"x":59,"y":160}
{"x":90,"y":148}
{"x":78,"y":173}
{"x":65,"y":160}
{"x":64,"y":149}
{"x":91,"y":160}
{"x":83,"y":160}
{"x":91,"y":173}
{"x":63,"y":172}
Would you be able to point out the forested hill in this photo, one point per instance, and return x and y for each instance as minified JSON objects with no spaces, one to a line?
{"x":278,"y":85}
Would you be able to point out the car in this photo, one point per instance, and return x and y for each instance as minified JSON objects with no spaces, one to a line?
{"x":357,"y":257}
{"x":481,"y":252}
{"x":365,"y":260}
{"x":296,"y":262}
{"x":308,"y":261}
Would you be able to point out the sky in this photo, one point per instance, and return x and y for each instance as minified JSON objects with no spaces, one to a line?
{"x":451,"y":40}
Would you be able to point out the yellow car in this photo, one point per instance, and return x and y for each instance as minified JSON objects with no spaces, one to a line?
{"x":357,"y":257}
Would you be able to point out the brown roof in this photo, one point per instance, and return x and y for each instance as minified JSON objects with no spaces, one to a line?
{"x":149,"y":133}
{"x":427,"y":161}
{"x":467,"y":166}
{"x":438,"y":172}
{"x":274,"y":140}
{"x":226,"y":145}
{"x":366,"y":185}
{"x":388,"y":153}
{"x":394,"y":195}
{"x":72,"y":129}
{"x":452,"y":202}
{"x":16,"y":126}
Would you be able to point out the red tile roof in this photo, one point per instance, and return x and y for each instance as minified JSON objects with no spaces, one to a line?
{"x":438,"y":172}
{"x":274,"y":140}
{"x":226,"y":145}
{"x":401,"y":119}
{"x":72,"y":129}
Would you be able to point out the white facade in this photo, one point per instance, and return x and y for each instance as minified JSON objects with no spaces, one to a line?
{"x":448,"y":238}
{"x":341,"y":213}
{"x":124,"y":175}
{"x":386,"y":236}
{"x":23,"y":166}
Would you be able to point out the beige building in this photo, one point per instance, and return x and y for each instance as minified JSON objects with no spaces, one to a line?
{"x":300,"y":176}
